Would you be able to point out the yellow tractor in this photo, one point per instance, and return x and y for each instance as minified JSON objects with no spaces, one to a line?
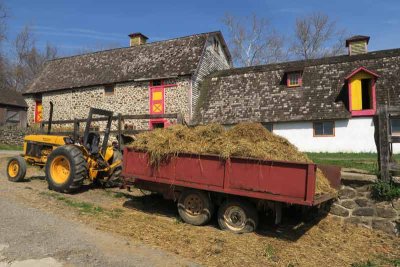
{"x":69,"y":162}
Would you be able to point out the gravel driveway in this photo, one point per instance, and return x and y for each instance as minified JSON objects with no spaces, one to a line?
{"x":33,"y":237}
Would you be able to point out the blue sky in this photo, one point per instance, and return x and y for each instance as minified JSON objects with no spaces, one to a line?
{"x":75,"y":24}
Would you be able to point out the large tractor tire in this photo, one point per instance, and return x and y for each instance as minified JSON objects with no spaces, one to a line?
{"x":66,"y":169}
{"x":195,"y":207}
{"x":16,"y":169}
{"x":115,"y":177}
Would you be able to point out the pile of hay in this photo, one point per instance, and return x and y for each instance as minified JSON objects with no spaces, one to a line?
{"x":243,"y":140}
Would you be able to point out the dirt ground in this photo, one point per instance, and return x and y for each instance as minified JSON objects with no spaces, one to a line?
{"x":149,"y":219}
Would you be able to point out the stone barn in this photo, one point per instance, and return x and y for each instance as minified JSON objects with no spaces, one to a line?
{"x":146,"y":78}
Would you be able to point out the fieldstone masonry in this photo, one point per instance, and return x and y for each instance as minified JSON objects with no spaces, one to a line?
{"x":128,"y":98}
{"x":355,"y":205}
{"x":14,"y":135}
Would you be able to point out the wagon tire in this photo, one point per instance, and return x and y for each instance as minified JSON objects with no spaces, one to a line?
{"x":16,"y":169}
{"x":66,"y":169}
{"x":195,"y":207}
{"x":238,"y":216}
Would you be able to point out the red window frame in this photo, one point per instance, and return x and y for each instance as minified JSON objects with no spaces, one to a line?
{"x":374,"y":77}
{"x":299,"y":79}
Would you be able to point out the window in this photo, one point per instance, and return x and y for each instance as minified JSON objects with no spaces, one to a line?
{"x":156,"y":125}
{"x":12,"y":117}
{"x":324,"y":128}
{"x":269,"y":126}
{"x":109,"y":89}
{"x":294,"y":79}
{"x":361,"y":87}
{"x":395,"y":126}
{"x":156,"y":83}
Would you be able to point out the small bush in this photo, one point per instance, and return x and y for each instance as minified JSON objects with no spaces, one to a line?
{"x":385,"y":191}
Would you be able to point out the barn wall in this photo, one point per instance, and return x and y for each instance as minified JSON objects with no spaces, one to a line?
{"x":352,"y":135}
{"x":128,"y":99}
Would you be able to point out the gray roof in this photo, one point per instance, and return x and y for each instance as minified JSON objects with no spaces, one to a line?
{"x":260,"y":93}
{"x":169,"y":58}
{"x":10,"y":97}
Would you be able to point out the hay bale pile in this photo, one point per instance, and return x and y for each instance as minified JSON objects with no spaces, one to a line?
{"x":243,"y":140}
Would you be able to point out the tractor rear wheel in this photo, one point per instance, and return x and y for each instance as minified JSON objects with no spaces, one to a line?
{"x":66,"y":168}
{"x":115,"y":177}
{"x":16,"y":169}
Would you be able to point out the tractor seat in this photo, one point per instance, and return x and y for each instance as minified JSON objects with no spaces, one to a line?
{"x":93,"y":143}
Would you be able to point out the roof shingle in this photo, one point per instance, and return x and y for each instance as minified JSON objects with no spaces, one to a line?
{"x":12,"y":98}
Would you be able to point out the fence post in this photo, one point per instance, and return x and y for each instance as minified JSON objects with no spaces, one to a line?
{"x":76,"y":130}
{"x":384,"y":149}
{"x":119,"y":131}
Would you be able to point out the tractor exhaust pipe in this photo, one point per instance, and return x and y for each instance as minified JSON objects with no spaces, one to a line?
{"x":50,"y":118}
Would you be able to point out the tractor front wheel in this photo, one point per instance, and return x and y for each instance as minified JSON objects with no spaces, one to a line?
{"x":16,"y":169}
{"x":66,"y":168}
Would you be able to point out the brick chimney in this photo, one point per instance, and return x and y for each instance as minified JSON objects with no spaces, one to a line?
{"x":357,"y":44}
{"x":137,"y":39}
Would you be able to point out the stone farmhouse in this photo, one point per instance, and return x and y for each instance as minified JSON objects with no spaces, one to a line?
{"x":321,"y":105}
{"x":145,"y":78}
{"x":12,"y":108}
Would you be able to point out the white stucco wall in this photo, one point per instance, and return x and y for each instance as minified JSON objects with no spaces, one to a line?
{"x":352,"y":135}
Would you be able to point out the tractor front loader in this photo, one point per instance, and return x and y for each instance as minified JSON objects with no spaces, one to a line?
{"x":67,"y":160}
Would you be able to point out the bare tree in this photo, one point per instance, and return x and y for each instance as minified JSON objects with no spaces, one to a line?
{"x":29,"y":60}
{"x":253,"y":41}
{"x":4,"y":63}
{"x":317,"y":36}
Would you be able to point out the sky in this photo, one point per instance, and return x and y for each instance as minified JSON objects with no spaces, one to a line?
{"x":72,"y":25}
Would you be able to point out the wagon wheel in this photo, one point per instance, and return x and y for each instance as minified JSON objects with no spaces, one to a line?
{"x":195,"y":207}
{"x":238,"y":216}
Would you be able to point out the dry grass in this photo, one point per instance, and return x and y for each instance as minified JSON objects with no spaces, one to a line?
{"x":305,"y":244}
{"x":243,"y":140}
{"x":152,"y":220}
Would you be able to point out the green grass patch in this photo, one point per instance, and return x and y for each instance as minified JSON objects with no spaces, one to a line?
{"x":363,"y":161}
{"x":378,"y":261}
{"x":83,"y":207}
{"x":10,"y":147}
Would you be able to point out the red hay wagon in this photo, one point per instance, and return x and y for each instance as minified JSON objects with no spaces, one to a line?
{"x":238,"y":186}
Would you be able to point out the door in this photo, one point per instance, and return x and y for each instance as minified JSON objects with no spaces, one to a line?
{"x":38,"y":111}
{"x":157,"y":106}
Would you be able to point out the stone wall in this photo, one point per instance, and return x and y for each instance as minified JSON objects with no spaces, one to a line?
{"x":356,"y":206}
{"x":14,"y":135}
{"x":131,"y":98}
